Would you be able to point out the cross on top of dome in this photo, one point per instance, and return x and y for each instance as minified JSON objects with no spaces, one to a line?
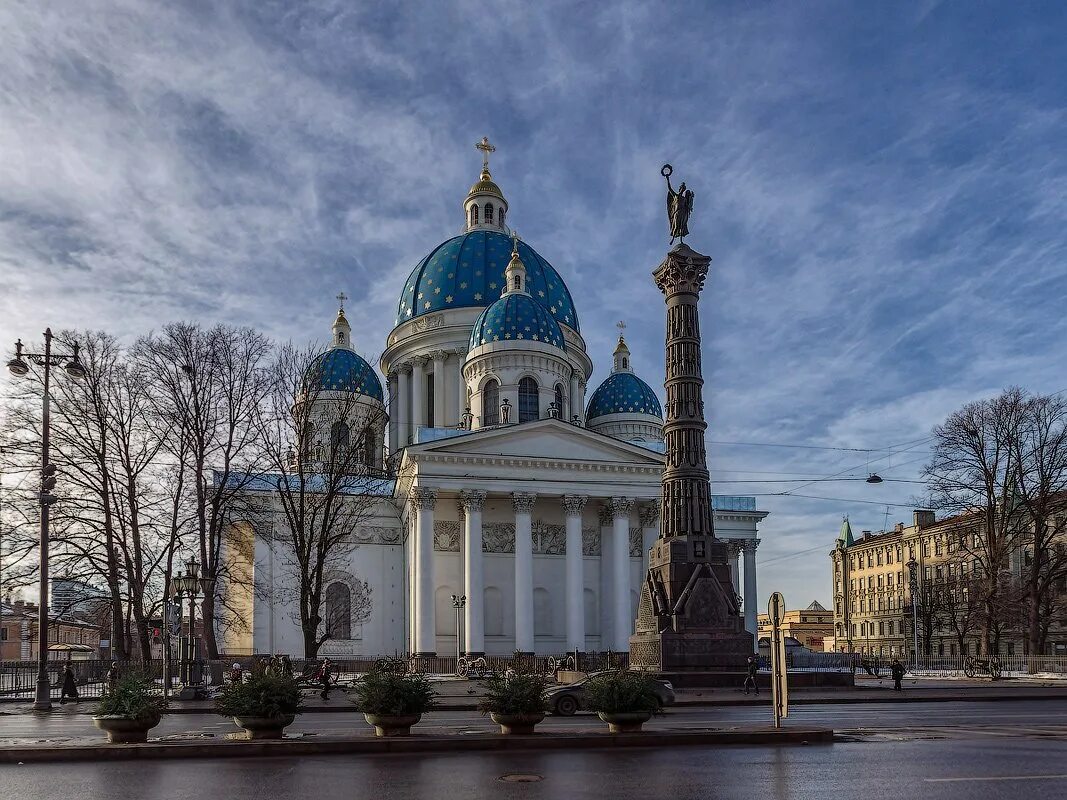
{"x":486,"y":149}
{"x":485,"y":206}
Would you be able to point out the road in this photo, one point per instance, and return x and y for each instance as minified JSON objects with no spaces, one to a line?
{"x":914,"y":750}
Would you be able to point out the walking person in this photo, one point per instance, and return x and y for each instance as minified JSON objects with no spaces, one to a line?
{"x":323,"y":677}
{"x":898,"y":675}
{"x":750,"y":679}
{"x":70,"y":685}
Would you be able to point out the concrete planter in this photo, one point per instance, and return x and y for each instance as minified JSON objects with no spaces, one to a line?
{"x":517,"y":724}
{"x":392,"y":724}
{"x":629,"y":722}
{"x":126,"y":730}
{"x":265,"y":727}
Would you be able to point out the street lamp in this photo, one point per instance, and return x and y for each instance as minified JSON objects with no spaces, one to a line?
{"x":458,"y":602}
{"x":19,"y":368}
{"x":913,"y":573}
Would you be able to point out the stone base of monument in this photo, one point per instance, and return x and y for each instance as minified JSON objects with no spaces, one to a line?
{"x":688,"y":619}
{"x":736,"y":680}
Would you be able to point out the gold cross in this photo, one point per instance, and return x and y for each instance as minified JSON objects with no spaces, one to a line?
{"x":621,"y":326}
{"x":341,"y":299}
{"x":486,"y":149}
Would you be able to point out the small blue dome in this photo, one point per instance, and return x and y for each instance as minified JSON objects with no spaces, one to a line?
{"x":468,"y":271}
{"x":343,"y":370}
{"x":516,"y":317}
{"x":623,"y":393}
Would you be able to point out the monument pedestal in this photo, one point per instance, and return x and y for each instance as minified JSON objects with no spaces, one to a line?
{"x":688,"y":618}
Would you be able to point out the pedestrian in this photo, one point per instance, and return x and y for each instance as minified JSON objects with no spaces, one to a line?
{"x":70,"y":685}
{"x":898,"y":675}
{"x":323,"y":677}
{"x":236,"y":673}
{"x":287,"y":667}
{"x":750,"y":679}
{"x":112,"y":677}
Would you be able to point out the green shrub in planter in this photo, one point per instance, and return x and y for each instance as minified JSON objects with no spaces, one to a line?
{"x":264,"y":695}
{"x":621,"y":692}
{"x":134,"y":696}
{"x":384,"y":692}
{"x":522,"y":693}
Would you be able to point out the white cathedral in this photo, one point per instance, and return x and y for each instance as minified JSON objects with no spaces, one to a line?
{"x":510,"y":487}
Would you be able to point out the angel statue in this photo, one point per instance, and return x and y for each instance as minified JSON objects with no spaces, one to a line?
{"x":679,"y":206}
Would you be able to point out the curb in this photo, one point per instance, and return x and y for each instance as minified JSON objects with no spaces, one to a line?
{"x":412,"y":744}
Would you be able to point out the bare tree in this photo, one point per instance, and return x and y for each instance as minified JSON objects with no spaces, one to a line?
{"x":324,"y":450}
{"x":207,"y":387}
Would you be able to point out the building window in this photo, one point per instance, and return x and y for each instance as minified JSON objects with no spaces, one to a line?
{"x":528,"y":410}
{"x":474,"y":215}
{"x":368,"y":449}
{"x":429,"y":401}
{"x":491,"y":403}
{"x":881,"y":629}
{"x":488,"y":213}
{"x":879,"y":558}
{"x":308,"y":442}
{"x":338,"y":611}
{"x":339,"y":435}
{"x":559,"y":402}
{"x":500,"y":217}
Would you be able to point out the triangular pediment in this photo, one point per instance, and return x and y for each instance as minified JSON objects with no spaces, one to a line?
{"x":548,"y":438}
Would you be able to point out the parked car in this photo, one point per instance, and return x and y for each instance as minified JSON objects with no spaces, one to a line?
{"x":566,"y":700}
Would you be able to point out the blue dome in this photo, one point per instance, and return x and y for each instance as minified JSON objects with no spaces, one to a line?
{"x":468,"y":271}
{"x":623,"y":393}
{"x":343,"y":370}
{"x":516,"y":317}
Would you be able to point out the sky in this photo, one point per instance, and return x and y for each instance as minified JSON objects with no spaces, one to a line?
{"x":882,"y":187}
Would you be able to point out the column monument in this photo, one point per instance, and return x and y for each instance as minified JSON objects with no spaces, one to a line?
{"x":688,"y":618}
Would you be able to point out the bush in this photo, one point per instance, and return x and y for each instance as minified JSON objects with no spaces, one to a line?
{"x":621,"y":692}
{"x":265,"y":695}
{"x":522,"y":693}
{"x":134,"y":696}
{"x":385,"y":692}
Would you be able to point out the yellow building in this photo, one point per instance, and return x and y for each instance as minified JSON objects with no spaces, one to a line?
{"x":810,"y":626}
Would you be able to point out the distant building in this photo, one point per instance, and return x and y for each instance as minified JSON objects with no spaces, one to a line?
{"x":69,"y":637}
{"x":810,"y":626}
{"x":69,"y":596}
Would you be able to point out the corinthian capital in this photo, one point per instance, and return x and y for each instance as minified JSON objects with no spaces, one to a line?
{"x":523,"y":502}
{"x":423,"y":498}
{"x":650,"y":514}
{"x":751,"y":545}
{"x":573,"y":504}
{"x":472,"y":500}
{"x":620,"y":506}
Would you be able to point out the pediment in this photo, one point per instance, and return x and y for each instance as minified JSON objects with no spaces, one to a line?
{"x":548,"y":439}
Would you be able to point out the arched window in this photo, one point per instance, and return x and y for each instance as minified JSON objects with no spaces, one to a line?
{"x":369,"y":448}
{"x":474,"y":215}
{"x":500,"y":218}
{"x":308,"y":441}
{"x":430,"y":388}
{"x":488,"y":213}
{"x":338,"y":611}
{"x":528,"y":405}
{"x":625,"y":362}
{"x":559,"y":401}
{"x":339,"y":435}
{"x":517,"y":283}
{"x":491,"y":403}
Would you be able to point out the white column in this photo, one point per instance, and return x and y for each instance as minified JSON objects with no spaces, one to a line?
{"x":575,"y":401}
{"x":736,"y":548}
{"x":750,"y":589}
{"x":418,"y":395}
{"x":412,"y":580}
{"x":424,"y":500}
{"x":649,"y":532}
{"x":620,"y":559}
{"x":605,"y":524}
{"x":394,"y":407}
{"x":403,"y":423}
{"x":523,"y":503}
{"x":460,"y":399}
{"x":440,"y":389}
{"x":575,"y":579}
{"x":474,"y":585}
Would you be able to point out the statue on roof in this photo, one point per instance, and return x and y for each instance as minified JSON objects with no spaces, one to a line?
{"x":679,"y":206}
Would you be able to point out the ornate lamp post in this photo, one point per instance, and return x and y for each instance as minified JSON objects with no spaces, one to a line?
{"x":18,"y":367}
{"x":913,"y":573}
{"x":459,"y":601}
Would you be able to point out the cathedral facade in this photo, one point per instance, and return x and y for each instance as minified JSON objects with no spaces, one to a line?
{"x":511,"y":511}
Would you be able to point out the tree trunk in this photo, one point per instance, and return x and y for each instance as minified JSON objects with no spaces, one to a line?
{"x":207,"y":619}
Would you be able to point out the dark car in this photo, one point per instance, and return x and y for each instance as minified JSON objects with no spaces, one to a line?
{"x":569,"y":699}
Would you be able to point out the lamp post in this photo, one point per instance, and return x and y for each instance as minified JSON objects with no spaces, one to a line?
{"x":458,"y":603}
{"x":18,"y":367}
{"x":192,"y":590}
{"x":913,"y":573}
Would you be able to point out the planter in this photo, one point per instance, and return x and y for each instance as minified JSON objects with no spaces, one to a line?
{"x":628,"y":722}
{"x":392,"y":724}
{"x":126,"y":730}
{"x":517,"y":724}
{"x":265,"y":727}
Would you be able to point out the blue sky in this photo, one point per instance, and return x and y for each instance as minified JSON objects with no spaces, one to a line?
{"x":882,"y":187}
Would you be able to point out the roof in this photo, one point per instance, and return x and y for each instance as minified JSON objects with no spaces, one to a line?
{"x":845,"y":537}
{"x":516,"y":317}
{"x":623,"y":393}
{"x":816,"y":606}
{"x":272,"y":482}
{"x":342,"y":370}
{"x":467,"y":271}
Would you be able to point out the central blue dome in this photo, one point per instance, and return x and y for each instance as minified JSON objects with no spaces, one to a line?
{"x":343,"y":370}
{"x":468,"y":271}
{"x":516,"y":317}
{"x":623,"y":393}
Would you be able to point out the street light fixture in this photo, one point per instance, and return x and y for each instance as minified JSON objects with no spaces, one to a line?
{"x":913,"y":572}
{"x":18,"y":367}
{"x":458,"y":603}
